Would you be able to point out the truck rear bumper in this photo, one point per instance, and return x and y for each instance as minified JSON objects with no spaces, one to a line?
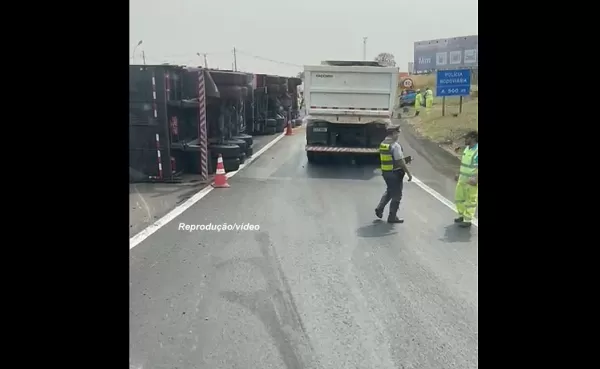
{"x":356,"y":150}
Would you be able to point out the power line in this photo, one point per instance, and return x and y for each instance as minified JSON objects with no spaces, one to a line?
{"x":192,"y":57}
{"x":187,"y":56}
{"x":267,"y":59}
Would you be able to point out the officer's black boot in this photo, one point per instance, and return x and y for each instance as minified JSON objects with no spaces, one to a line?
{"x":459,"y":220}
{"x":392,"y":218}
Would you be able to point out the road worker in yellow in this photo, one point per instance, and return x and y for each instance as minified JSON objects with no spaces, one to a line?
{"x":393,"y":169}
{"x":428,"y":98}
{"x":468,"y":180}
{"x":418,"y":102}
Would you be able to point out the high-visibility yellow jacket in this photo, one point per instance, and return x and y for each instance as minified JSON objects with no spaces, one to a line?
{"x":469,"y":163}
{"x":418,"y":100}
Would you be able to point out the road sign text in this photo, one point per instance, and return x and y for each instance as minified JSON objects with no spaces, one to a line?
{"x":453,"y":82}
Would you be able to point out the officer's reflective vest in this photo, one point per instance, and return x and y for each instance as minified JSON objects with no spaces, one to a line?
{"x":467,"y":164}
{"x":385,"y":156}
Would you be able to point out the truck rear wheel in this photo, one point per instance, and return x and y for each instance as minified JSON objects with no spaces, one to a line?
{"x":312,"y":157}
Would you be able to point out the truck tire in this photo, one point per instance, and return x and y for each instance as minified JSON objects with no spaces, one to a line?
{"x":230,"y":164}
{"x":241,"y":143}
{"x":280,"y":124}
{"x":227,"y":151}
{"x":247,"y":138}
{"x":312,"y":157}
{"x":270,"y":130}
{"x":249,"y":152}
{"x":242,"y":157}
{"x":271,"y":123}
{"x":232,"y":141}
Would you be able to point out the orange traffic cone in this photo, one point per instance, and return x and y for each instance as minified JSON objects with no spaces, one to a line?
{"x":220,"y":177}
{"x":288,"y":131}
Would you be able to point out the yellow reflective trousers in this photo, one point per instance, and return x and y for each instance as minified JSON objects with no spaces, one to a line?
{"x":429,"y":101}
{"x":465,"y":199}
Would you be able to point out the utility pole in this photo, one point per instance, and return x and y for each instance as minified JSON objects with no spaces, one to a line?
{"x":234,"y":60}
{"x":205,"y":61}
{"x":135,"y":48}
{"x":144,"y":57}
{"x":365,"y":48}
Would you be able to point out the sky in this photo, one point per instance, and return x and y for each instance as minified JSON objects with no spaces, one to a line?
{"x":280,"y":36}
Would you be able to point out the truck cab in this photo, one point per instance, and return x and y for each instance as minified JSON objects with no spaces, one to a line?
{"x":349,"y":105}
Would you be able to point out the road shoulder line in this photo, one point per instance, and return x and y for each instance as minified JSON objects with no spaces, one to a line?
{"x":438,"y":196}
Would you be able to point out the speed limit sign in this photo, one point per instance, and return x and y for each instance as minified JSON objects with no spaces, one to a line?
{"x":407,"y":83}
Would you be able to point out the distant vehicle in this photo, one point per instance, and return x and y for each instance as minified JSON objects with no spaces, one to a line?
{"x":407,"y":98}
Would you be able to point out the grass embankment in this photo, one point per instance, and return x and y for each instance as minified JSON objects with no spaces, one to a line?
{"x":449,"y":129}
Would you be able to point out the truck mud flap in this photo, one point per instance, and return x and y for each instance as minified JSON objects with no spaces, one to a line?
{"x":354,"y":150}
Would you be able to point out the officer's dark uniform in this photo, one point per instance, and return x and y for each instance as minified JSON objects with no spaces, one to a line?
{"x":393,"y":175}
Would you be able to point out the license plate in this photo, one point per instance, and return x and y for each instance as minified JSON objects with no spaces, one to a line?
{"x":319,"y":129}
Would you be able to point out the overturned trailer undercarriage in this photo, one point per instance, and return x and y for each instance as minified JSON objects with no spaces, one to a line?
{"x":187,"y":117}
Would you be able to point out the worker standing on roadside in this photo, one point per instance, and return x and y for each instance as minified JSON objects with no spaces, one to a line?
{"x":418,"y":102}
{"x":393,"y":169}
{"x":428,"y":98}
{"x":468,"y":180}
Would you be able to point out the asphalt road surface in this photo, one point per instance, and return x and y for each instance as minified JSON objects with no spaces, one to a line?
{"x":322,"y":284}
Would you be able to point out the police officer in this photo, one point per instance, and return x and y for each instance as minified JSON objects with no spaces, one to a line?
{"x":418,"y":102}
{"x":428,"y":98}
{"x":468,"y":181}
{"x":393,"y":169}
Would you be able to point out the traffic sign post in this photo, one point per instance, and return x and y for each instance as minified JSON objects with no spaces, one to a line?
{"x":407,"y":83}
{"x":453,"y":83}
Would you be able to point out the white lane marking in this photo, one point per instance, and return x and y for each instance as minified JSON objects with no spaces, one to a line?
{"x":145,"y":233}
{"x":439,"y":197}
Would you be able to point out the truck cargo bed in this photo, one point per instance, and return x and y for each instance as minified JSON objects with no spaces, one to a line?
{"x":349,"y":106}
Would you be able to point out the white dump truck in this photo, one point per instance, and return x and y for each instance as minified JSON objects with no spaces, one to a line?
{"x":349,"y":105}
